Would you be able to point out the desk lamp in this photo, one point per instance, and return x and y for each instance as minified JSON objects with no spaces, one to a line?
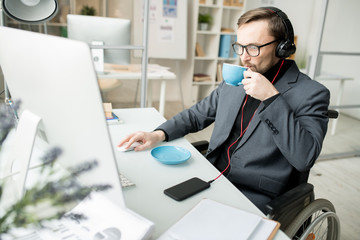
{"x":30,"y":12}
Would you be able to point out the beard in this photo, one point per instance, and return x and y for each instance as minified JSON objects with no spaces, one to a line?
{"x":261,"y":68}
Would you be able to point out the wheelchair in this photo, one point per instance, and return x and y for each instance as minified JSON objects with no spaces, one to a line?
{"x":301,"y":215}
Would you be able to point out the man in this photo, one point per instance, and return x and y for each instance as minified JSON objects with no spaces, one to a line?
{"x":266,"y":131}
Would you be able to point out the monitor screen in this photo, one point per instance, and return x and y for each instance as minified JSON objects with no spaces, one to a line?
{"x":110,"y":31}
{"x":55,"y":79}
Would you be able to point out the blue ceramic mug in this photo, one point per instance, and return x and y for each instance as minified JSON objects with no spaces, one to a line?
{"x":233,"y":74}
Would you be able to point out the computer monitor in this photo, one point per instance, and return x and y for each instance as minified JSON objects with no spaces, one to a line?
{"x":55,"y":79}
{"x":110,"y":31}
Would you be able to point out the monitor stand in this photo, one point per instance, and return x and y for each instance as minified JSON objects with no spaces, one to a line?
{"x":98,"y":56}
{"x":20,"y":151}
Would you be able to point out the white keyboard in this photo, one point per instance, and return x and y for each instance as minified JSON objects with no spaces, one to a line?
{"x":125,"y":182}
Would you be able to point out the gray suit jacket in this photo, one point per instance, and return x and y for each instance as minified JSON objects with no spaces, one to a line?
{"x":283,"y":138}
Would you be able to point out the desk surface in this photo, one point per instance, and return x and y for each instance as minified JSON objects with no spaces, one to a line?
{"x":133,"y":71}
{"x":152,"y":177}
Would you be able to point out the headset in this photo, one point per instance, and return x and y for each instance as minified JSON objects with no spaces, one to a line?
{"x":286,"y":47}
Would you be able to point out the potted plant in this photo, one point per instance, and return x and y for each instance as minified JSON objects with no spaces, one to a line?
{"x":88,"y":10}
{"x":50,"y":196}
{"x":204,"y":21}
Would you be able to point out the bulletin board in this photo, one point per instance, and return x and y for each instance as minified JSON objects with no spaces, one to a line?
{"x":167,"y":28}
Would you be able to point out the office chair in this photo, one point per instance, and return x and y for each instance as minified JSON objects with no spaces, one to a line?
{"x":300,"y":215}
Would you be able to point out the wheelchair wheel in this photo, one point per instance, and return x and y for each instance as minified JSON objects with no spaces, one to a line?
{"x":316,"y":221}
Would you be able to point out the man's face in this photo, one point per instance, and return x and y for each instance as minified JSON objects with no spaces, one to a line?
{"x":257,"y":33}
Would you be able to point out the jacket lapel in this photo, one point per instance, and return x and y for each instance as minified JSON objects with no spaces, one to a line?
{"x":229,"y":112}
{"x":286,"y":81}
{"x":282,"y":85}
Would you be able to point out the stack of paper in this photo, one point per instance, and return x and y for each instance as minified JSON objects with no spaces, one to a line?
{"x":201,"y":77}
{"x":212,"y":220}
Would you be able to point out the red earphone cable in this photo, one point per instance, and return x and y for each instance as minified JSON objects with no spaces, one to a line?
{"x":241,"y":134}
{"x":241,"y":129}
{"x":278,"y":71}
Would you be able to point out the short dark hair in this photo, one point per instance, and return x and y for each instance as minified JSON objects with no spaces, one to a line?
{"x":276,"y":25}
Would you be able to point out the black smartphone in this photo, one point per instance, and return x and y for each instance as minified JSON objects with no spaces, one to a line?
{"x":186,"y":189}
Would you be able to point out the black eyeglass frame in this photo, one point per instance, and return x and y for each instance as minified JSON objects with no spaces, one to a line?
{"x":252,"y":45}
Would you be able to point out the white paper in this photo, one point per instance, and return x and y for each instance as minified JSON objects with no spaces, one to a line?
{"x":167,"y":30}
{"x":212,"y":221}
{"x":263,"y":230}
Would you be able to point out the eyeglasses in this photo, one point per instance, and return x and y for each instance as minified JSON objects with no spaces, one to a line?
{"x":251,"y":49}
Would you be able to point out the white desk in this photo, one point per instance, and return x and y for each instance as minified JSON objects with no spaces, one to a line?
{"x":133,"y":72}
{"x":152,"y":177}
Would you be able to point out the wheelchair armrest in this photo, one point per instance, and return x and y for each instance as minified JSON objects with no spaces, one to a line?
{"x":285,"y":207}
{"x":332,"y":114}
{"x":201,"y":146}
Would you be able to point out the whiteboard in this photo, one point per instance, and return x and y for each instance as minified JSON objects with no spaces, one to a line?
{"x":167,"y":28}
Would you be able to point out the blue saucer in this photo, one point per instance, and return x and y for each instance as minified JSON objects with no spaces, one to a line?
{"x":170,"y":154}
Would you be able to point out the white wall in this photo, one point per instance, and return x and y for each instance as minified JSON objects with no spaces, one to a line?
{"x":342,"y":34}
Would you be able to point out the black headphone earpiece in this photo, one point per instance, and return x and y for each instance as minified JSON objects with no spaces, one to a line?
{"x":287,"y":46}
